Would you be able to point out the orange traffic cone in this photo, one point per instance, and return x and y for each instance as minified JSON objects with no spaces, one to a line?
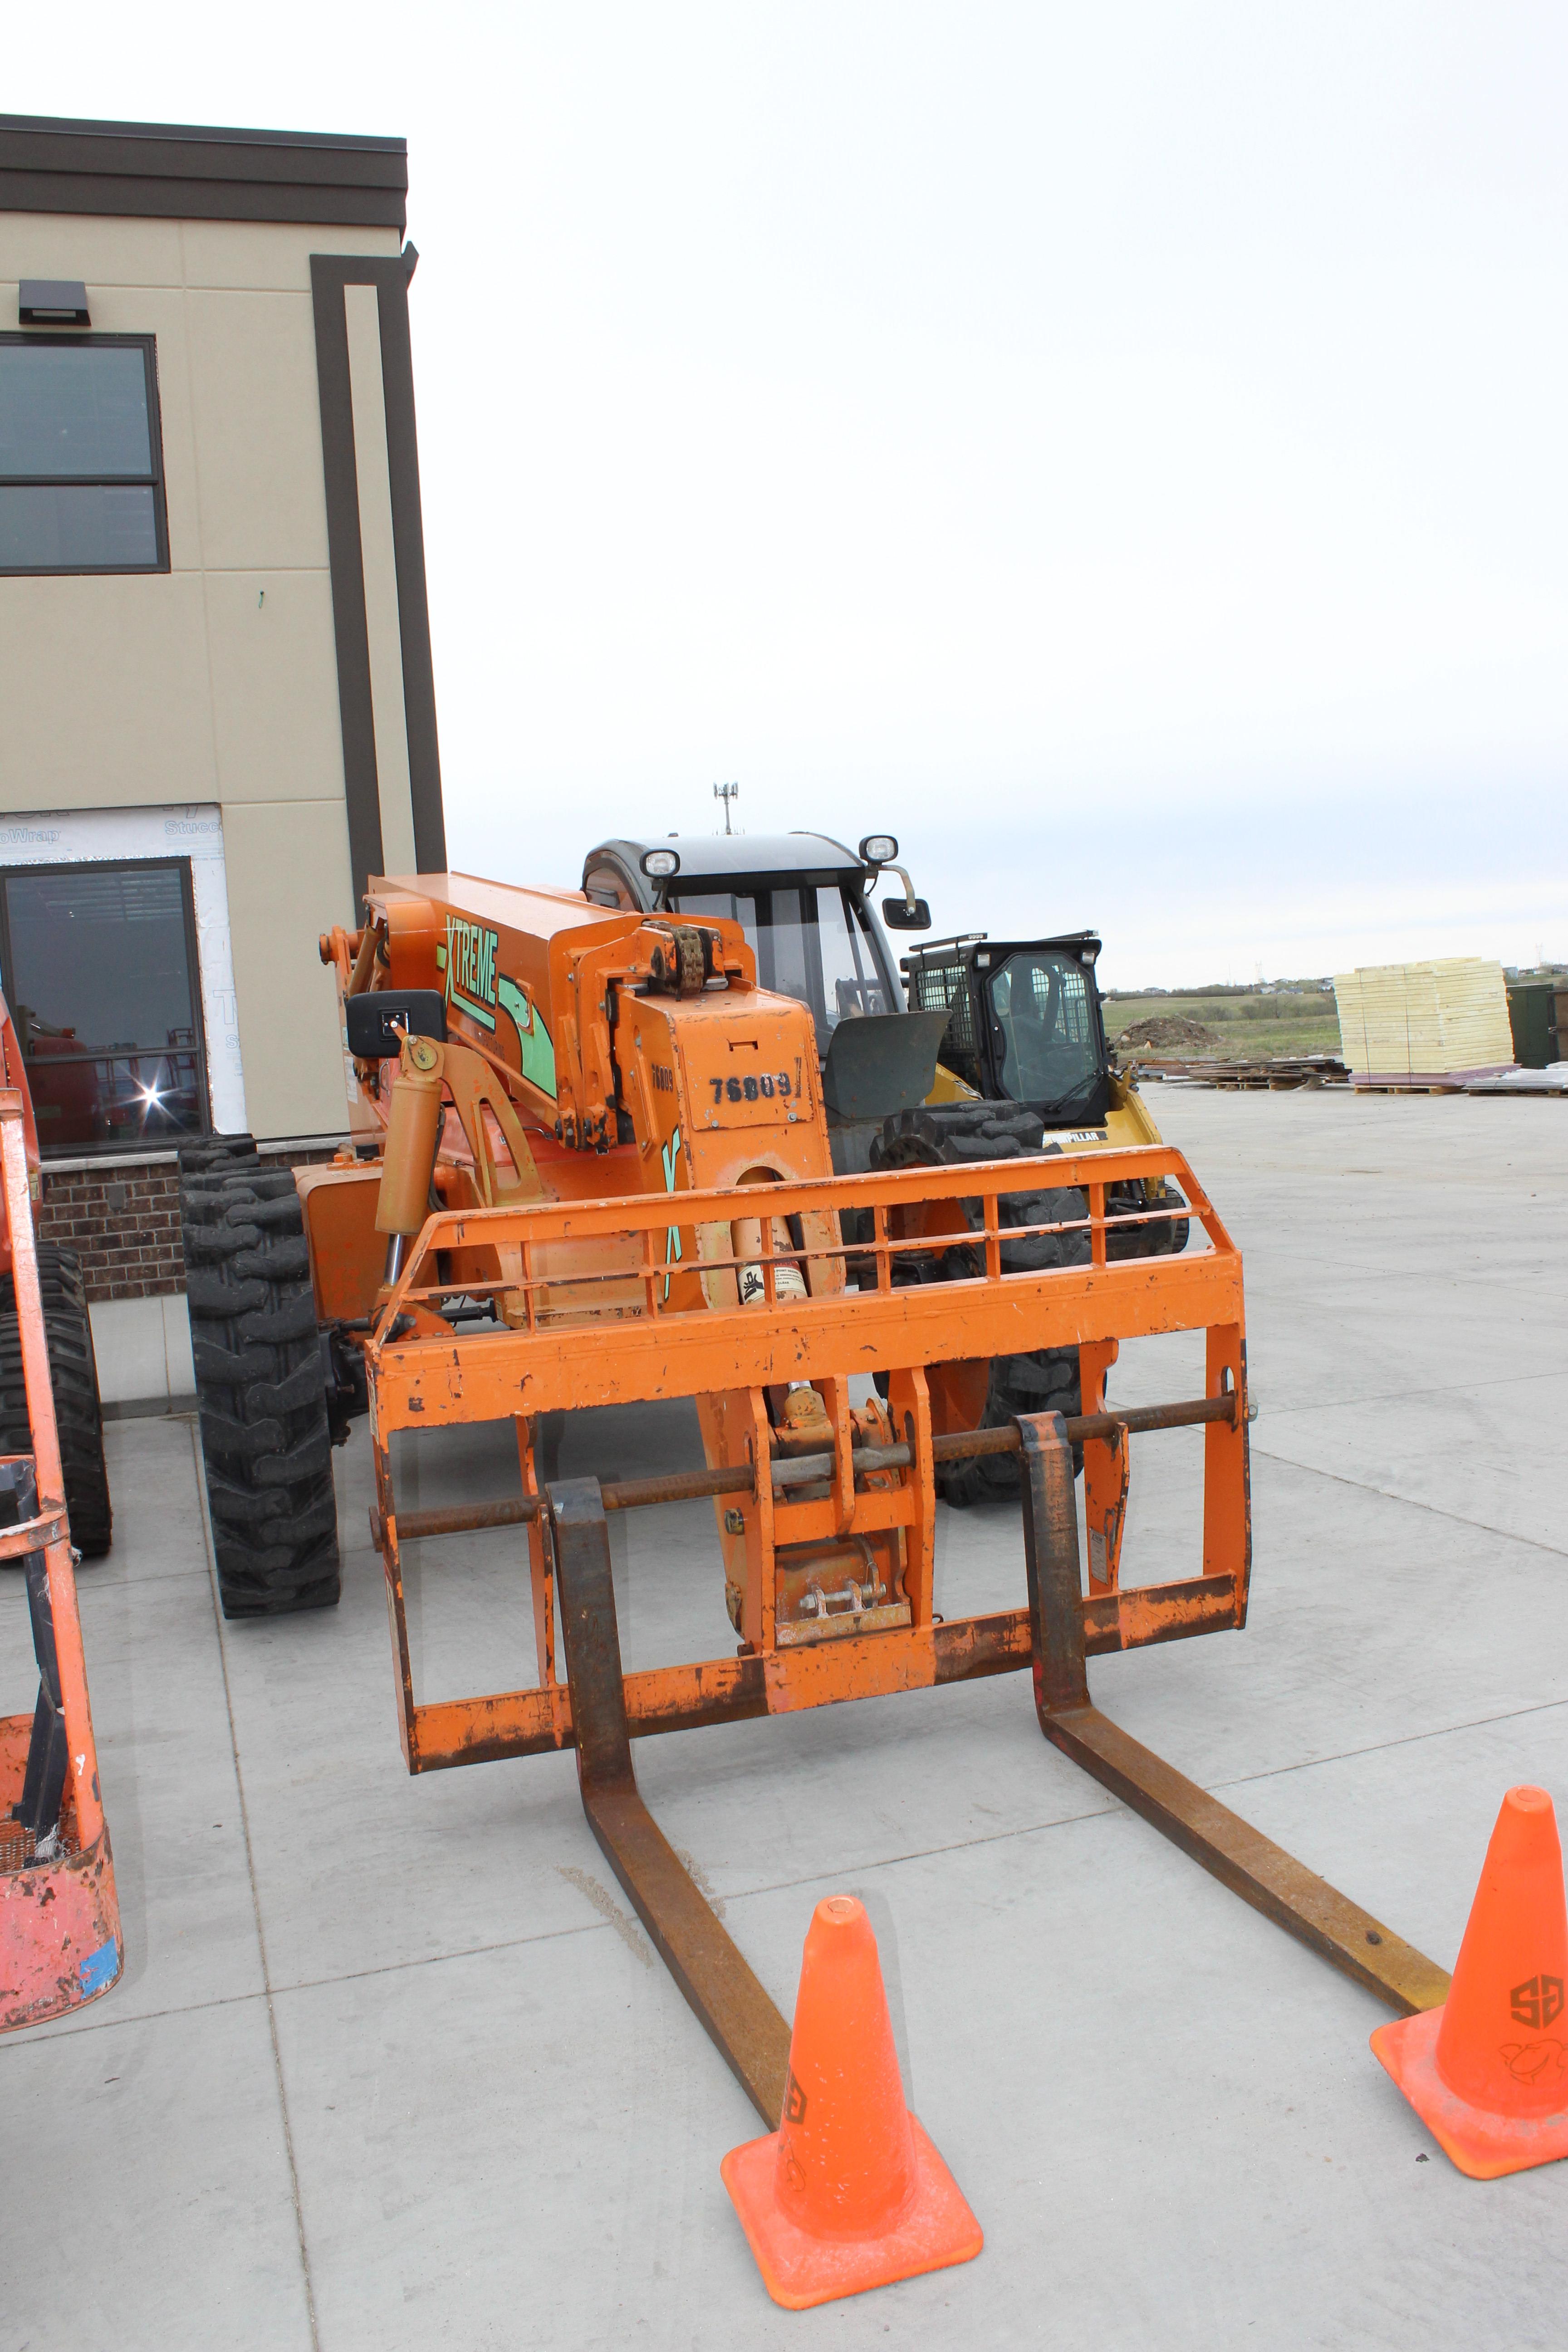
{"x":848,"y":2193}
{"x":1484,"y":2070}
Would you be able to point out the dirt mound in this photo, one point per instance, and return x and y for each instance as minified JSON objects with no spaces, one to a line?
{"x":1169,"y":1033}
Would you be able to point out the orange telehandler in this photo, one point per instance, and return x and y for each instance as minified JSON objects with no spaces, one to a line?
{"x":591,"y":1164}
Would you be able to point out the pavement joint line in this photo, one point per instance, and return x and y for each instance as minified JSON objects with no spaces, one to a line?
{"x":1405,"y":1396}
{"x":107,"y":2023}
{"x":1100,"y":1812}
{"x":1381,"y":1747}
{"x":1413,"y":1503}
{"x":138,"y":1583}
{"x":102,"y":2023}
{"x":255,"y":1902}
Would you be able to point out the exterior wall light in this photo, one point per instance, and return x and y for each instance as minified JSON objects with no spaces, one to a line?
{"x":52,"y":302}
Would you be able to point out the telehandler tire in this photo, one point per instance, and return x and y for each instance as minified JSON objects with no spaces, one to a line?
{"x":1047,"y":1379}
{"x":73,"y":1376}
{"x":261,"y":1390}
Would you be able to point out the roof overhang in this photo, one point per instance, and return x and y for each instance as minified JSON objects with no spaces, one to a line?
{"x":174,"y":171}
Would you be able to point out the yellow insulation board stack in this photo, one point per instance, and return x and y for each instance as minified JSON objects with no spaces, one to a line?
{"x":1424,"y":1020}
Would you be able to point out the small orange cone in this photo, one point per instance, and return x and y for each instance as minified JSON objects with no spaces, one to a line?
{"x":848,"y":2193}
{"x":1485,"y":2069}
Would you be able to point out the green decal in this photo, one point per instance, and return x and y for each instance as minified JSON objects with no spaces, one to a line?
{"x":538,"y":1053}
{"x":470,"y":965}
{"x":671,"y":1154}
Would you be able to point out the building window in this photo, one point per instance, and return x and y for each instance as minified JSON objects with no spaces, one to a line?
{"x":98,"y":965}
{"x":81,"y":455}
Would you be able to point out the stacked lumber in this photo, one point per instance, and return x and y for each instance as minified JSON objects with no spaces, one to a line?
{"x":1275,"y":1073}
{"x":1403,"y":1025}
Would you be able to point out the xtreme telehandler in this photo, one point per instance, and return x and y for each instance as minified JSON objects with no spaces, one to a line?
{"x":668,"y":1140}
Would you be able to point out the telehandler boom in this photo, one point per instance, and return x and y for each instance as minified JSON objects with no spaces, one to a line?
{"x":592,"y":1165}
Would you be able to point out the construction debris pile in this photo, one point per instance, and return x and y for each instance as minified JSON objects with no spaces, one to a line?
{"x":1170,"y":1032}
{"x":1176,"y":1047}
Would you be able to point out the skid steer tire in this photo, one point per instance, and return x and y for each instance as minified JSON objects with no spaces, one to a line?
{"x":73,"y":1377}
{"x":1047,"y":1379}
{"x":261,"y":1390}
{"x":1164,"y":1240}
{"x":217,"y":1154}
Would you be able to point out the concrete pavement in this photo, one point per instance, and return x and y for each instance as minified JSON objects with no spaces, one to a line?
{"x":391,"y":2067}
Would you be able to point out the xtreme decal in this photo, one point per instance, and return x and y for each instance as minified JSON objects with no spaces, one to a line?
{"x":468,"y":959}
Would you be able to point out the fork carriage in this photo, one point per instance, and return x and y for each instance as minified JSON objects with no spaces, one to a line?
{"x":870,"y":1495}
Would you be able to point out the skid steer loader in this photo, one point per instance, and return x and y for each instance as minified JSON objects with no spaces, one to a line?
{"x":594,"y":1163}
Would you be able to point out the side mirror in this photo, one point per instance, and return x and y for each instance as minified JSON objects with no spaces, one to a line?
{"x":371,"y":1015}
{"x":900,"y":916}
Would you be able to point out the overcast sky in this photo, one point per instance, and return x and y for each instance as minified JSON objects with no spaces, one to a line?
{"x":1119,"y":449}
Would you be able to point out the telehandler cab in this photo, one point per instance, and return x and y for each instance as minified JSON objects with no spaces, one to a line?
{"x":1001,"y":1054}
{"x":594,"y":1163}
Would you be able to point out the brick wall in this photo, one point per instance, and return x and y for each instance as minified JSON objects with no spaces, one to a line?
{"x":123,"y":1220}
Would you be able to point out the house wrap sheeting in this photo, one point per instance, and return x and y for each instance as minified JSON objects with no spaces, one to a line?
{"x":1446,"y":1019}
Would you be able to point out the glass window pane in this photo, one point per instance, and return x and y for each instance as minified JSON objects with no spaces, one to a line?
{"x":46,"y":527}
{"x":829,"y":965}
{"x":104,"y":1001}
{"x":851,"y":983}
{"x":74,"y":409}
{"x":1041,"y":1004}
{"x":723,"y":906}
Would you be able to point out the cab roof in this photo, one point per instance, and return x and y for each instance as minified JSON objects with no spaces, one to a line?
{"x":722,"y":857}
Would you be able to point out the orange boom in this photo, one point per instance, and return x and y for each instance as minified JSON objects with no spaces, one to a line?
{"x":593,"y":1164}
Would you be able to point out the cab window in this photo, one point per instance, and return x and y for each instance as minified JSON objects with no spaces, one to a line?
{"x":1041,"y":1004}
{"x":813,"y":944}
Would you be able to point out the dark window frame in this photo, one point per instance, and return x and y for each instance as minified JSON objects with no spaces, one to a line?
{"x":148,"y":346}
{"x":117,"y":1147}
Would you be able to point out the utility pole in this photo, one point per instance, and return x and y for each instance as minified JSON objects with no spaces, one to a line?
{"x":727,"y":792}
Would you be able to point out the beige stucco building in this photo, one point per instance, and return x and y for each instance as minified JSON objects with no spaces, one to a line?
{"x":216,"y":651}
{"x":218,"y":712}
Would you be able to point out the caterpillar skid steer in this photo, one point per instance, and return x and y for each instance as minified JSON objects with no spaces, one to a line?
{"x":593,"y":1164}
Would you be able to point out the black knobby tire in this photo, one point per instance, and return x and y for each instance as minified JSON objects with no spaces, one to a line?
{"x":73,"y":1377}
{"x":261,"y":1389}
{"x":1045,"y":1379}
{"x":1168,"y":1238}
{"x":225,"y":1154}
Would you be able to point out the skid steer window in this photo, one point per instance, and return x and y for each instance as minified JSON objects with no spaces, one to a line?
{"x":98,"y":965}
{"x":812,"y":943}
{"x":1049,"y":1051}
